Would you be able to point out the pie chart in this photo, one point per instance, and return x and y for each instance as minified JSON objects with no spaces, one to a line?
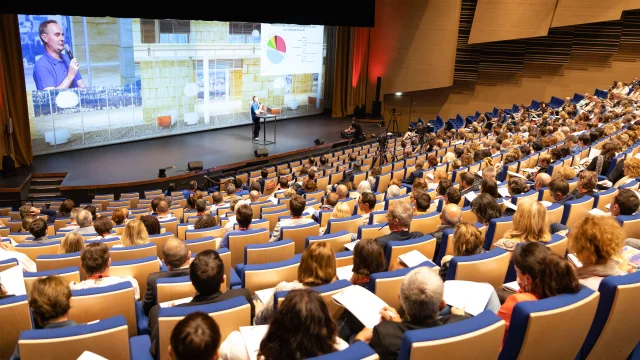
{"x":276,"y":49}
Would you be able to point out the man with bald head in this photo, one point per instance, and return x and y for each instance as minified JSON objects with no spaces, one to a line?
{"x":399,"y":218}
{"x":449,"y":219}
{"x":254,"y":196}
{"x":542,"y":180}
{"x":176,"y":255}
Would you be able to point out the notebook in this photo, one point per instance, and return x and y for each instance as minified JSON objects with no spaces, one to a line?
{"x":172,"y":303}
{"x":468,"y":295}
{"x":13,"y":281}
{"x":265,"y":294}
{"x":344,"y":272}
{"x":413,"y":258}
{"x":574,"y":259}
{"x":511,"y":286}
{"x":515,"y":174}
{"x":350,"y":246}
{"x":362,"y":303}
{"x":470,"y":196}
{"x":252,"y":336}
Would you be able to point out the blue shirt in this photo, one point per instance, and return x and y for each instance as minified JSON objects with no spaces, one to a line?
{"x":187,"y":193}
{"x":254,"y":110}
{"x":51,"y":72}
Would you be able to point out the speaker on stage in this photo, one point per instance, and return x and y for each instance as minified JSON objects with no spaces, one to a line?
{"x":262,"y":152}
{"x":8,"y":166}
{"x":195,"y":165}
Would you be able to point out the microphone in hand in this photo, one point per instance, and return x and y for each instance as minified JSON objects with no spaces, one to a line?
{"x":68,"y":51}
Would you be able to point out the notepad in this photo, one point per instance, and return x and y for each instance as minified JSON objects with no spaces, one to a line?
{"x":470,"y":196}
{"x":13,"y":281}
{"x":545,"y":203}
{"x":350,"y":246}
{"x":574,"y":259}
{"x":413,"y":258}
{"x":511,"y":286}
{"x":344,"y":272}
{"x":362,"y":303}
{"x":88,"y":355}
{"x":515,"y":174}
{"x":529,"y":170}
{"x":593,"y":153}
{"x":632,"y":255}
{"x":429,"y":175}
{"x":252,"y":336}
{"x":265,"y":294}
{"x":598,"y":212}
{"x":471,"y":296}
{"x":510,"y":205}
{"x":172,"y":303}
{"x":504,"y":192}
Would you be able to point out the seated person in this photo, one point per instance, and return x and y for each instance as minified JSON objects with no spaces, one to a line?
{"x":366,"y":204}
{"x":559,"y":189}
{"x":207,"y":275}
{"x":368,"y":259}
{"x":197,"y":336}
{"x":163,"y":211}
{"x":103,"y":226}
{"x":515,"y":186}
{"x":85,"y":223}
{"x":297,"y":205}
{"x":587,"y":181}
{"x":73,"y":220}
{"x":95,"y":261}
{"x":529,"y":225}
{"x":626,"y":202}
{"x":399,"y":216}
{"x":330,"y":201}
{"x":467,"y":240}
{"x":176,"y":256}
{"x":452,"y":196}
{"x":7,"y":251}
{"x":72,"y":243}
{"x":205,"y":222}
{"x":540,"y":274}
{"x":38,"y":230}
{"x":421,"y":202}
{"x":421,"y":297}
{"x":244,"y":215}
{"x":354,"y":131}
{"x":49,"y":300}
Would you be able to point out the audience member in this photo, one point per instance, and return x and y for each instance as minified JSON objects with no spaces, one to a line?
{"x":244,"y":216}
{"x":297,"y":205}
{"x":366,"y":204}
{"x":399,"y":216}
{"x":119,"y":216}
{"x":330,"y":201}
{"x":485,"y":208}
{"x":85,"y":223}
{"x":467,"y":240}
{"x":529,"y":225}
{"x":38,"y":229}
{"x":368,"y":259}
{"x":71,"y":243}
{"x":135,"y":233}
{"x":103,"y":227}
{"x":205,"y":222}
{"x":421,"y":202}
{"x":195,"y":337}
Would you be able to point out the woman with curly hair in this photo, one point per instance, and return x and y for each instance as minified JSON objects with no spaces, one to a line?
{"x":595,"y":242}
{"x":631,"y":171}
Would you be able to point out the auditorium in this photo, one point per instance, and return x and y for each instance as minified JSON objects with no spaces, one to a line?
{"x":375,"y":179}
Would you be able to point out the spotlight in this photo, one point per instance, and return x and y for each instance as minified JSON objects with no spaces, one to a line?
{"x":398,"y":93}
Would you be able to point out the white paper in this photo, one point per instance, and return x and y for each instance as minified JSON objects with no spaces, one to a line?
{"x":598,"y":212}
{"x":265,"y":295}
{"x":584,"y":161}
{"x":362,"y":303}
{"x":608,"y":206}
{"x":574,"y":259}
{"x":13,"y":281}
{"x":413,"y":258}
{"x":470,"y":196}
{"x":350,"y":246}
{"x":593,"y":153}
{"x":172,"y":303}
{"x":88,"y":355}
{"x":512,"y":286}
{"x":252,"y":336}
{"x":515,"y":174}
{"x":545,"y":203}
{"x":510,"y":205}
{"x":429,"y":175}
{"x":605,"y":183}
{"x":471,"y":296}
{"x":344,"y":272}
{"x":432,"y":185}
{"x":504,"y":192}
{"x":530,"y":170}
{"x":479,"y":173}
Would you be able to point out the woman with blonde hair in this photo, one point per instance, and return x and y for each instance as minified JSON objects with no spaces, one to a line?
{"x":341,"y":211}
{"x":135,"y":233}
{"x":529,"y":224}
{"x":595,"y":243}
{"x":467,"y":240}
{"x":71,"y":243}
{"x":317,"y":267}
{"x":565,"y":172}
{"x":631,"y":171}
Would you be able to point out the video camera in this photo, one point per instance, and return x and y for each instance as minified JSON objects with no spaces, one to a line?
{"x":382,"y":139}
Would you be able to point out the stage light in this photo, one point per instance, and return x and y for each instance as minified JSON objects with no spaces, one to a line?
{"x":398,"y":93}
{"x":255,"y":33}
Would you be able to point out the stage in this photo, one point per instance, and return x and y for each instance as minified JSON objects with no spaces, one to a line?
{"x":137,"y":162}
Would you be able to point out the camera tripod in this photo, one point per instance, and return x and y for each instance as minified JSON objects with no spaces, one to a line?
{"x":382,"y":153}
{"x":393,"y":123}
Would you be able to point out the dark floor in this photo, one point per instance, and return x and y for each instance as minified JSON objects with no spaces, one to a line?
{"x":140,"y":160}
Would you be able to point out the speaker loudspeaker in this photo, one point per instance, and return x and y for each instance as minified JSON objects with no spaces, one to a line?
{"x":376,"y":107}
{"x":262,"y":152}
{"x":8,"y":166}
{"x":318,"y":142}
{"x":195,"y":165}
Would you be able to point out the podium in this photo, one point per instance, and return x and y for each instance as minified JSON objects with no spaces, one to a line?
{"x":267,"y":118}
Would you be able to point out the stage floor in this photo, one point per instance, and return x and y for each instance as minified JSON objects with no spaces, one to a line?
{"x":140,"y":160}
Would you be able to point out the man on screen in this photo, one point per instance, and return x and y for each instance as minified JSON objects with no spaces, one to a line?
{"x":256,"y":109}
{"x":55,"y":69}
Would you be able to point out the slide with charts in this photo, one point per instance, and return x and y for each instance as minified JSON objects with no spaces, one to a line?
{"x":291,"y":49}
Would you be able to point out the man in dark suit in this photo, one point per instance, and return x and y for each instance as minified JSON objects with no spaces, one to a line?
{"x":467,"y":183}
{"x":416,"y":174}
{"x":207,"y":275}
{"x":176,"y":255}
{"x":559,"y":189}
{"x":421,"y":296}
{"x":399,"y":218}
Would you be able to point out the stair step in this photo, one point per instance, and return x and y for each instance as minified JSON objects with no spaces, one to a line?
{"x":48,"y":179}
{"x":40,"y":196}
{"x":44,"y":187}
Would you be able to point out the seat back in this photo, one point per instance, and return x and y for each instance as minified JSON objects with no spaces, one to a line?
{"x":372,"y":231}
{"x":104,"y":302}
{"x":604,"y":198}
{"x":359,"y":350}
{"x":264,"y":276}
{"x":299,"y":234}
{"x":558,"y":244}
{"x":215,"y":232}
{"x":133,"y":252}
{"x":35,"y":249}
{"x":490,"y":267}
{"x":8,"y":263}
{"x":56,"y":262}
{"x":270,"y":252}
{"x":426,"y":245}
{"x":159,"y":240}
{"x":336,"y":240}
{"x":426,"y":223}
{"x":630,"y":225}
{"x":16,"y":317}
{"x":107,"y":338}
{"x":497,"y":228}
{"x":67,"y":274}
{"x":560,"y":323}
{"x":238,"y":242}
{"x":386,"y":285}
{"x":575,"y":211}
{"x":554,"y":214}
{"x":272,"y":217}
{"x":199,"y":245}
{"x":174,"y":288}
{"x":138,"y":269}
{"x":382,"y":182}
{"x":378,"y":217}
{"x":350,"y":224}
{"x":344,"y":258}
{"x":479,"y":337}
{"x":614,"y":331}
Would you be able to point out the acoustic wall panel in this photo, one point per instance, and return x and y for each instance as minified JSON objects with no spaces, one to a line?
{"x":497,"y":20}
{"x":574,"y":12}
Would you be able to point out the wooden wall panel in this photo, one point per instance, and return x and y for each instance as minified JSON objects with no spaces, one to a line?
{"x":497,"y":20}
{"x":413,"y":45}
{"x":574,"y":12}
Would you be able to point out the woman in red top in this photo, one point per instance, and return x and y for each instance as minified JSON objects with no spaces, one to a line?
{"x":540,"y":274}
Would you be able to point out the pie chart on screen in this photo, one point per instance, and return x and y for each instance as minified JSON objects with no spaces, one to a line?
{"x":276,"y":49}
